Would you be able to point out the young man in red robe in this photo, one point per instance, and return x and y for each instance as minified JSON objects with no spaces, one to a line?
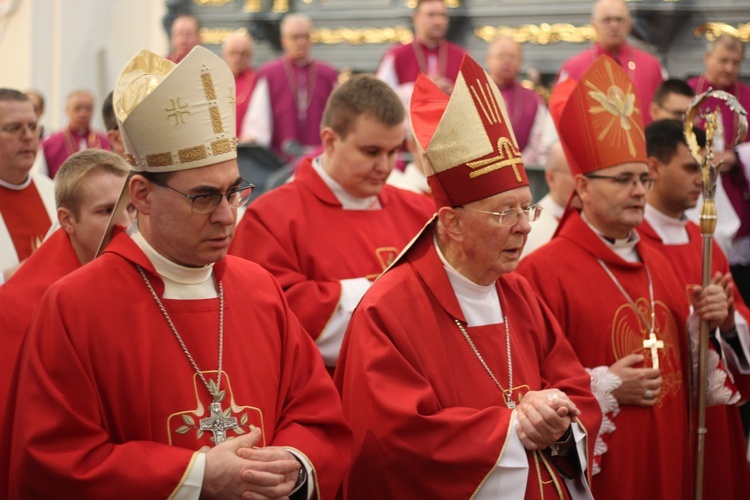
{"x":76,"y":136}
{"x":617,"y":299}
{"x":289,"y":94}
{"x":677,"y":188}
{"x":27,"y":201}
{"x":336,"y":227}
{"x":430,"y":53}
{"x":612,"y":24}
{"x":456,"y":379}
{"x":86,"y":190}
{"x":165,"y":368}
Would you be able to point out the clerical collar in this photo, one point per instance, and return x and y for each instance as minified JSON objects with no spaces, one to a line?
{"x":348,"y":202}
{"x":16,"y":187}
{"x":479,"y":303}
{"x":671,"y":231}
{"x":180,"y":282}
{"x":624,"y":248}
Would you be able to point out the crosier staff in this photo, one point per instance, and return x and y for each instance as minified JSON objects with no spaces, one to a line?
{"x":709,"y":174}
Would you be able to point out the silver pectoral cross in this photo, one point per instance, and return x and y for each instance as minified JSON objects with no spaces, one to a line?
{"x":654,"y":344}
{"x":217,"y":423}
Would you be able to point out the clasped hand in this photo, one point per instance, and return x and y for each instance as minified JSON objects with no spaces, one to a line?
{"x":543,"y":417}
{"x":237,"y":469}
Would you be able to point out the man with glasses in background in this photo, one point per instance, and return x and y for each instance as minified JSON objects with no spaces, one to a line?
{"x":612,"y":24}
{"x":165,"y":368}
{"x":27,"y":201}
{"x":617,"y":299}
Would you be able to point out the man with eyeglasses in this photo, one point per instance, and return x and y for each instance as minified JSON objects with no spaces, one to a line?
{"x":164,"y":368}
{"x":328,"y":234}
{"x":677,"y":188}
{"x":289,"y":94}
{"x":618,"y":299}
{"x":611,"y":22}
{"x":457,"y":381}
{"x":27,"y":201}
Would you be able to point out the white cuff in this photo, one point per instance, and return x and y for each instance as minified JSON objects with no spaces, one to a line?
{"x":191,"y":487}
{"x":330,"y":339}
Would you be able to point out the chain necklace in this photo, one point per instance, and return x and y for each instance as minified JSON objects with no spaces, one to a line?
{"x":507,"y":393}
{"x":217,"y":423}
{"x":652,"y":342}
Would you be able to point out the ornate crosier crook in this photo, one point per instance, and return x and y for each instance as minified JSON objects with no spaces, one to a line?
{"x":699,"y":108}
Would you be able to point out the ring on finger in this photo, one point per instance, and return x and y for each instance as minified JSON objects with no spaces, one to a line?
{"x":552,"y":396}
{"x":649,"y":394}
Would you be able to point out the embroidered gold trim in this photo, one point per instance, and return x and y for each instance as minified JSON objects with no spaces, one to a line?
{"x":192,"y":154}
{"x":221,"y":147}
{"x":208,"y":86}
{"x":130,"y":159}
{"x":159,"y":160}
{"x":216,"y":119}
{"x":508,"y":156}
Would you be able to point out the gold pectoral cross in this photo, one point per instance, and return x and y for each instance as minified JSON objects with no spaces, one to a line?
{"x":654,"y":345}
{"x":217,"y":423}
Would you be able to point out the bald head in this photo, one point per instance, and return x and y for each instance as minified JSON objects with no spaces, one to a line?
{"x":296,"y":36}
{"x":504,"y":57}
{"x":611,"y":22}
{"x":237,"y":51}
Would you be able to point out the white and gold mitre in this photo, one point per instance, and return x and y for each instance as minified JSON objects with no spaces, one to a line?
{"x":176,"y":116}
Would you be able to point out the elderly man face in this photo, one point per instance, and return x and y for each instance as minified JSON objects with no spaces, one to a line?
{"x":611,"y":22}
{"x":723,"y":64}
{"x":80,"y":109}
{"x":296,"y":38}
{"x":503,"y":61}
{"x":185,"y":35}
{"x":237,"y":52}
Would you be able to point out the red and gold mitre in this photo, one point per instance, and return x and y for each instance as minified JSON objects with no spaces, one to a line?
{"x":466,"y":141}
{"x":599,"y":118}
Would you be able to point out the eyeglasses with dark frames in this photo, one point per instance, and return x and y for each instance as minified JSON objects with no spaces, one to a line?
{"x":207,"y":203}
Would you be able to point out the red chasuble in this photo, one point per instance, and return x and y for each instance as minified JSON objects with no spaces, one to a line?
{"x":59,"y":146}
{"x":116,"y":404}
{"x":428,"y":420}
{"x":726,"y":474}
{"x":303,"y":236}
{"x":26,"y":218}
{"x":21,"y":294}
{"x":643,"y":69}
{"x":648,"y":454}
{"x":244,"y":85}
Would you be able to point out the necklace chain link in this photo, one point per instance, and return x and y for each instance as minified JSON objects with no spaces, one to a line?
{"x":507,"y":393}
{"x":213,"y":393}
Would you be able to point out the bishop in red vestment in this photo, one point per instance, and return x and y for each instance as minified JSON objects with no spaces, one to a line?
{"x":617,"y":299}
{"x":164,"y":368}
{"x":450,"y":360}
{"x":326,"y":235}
